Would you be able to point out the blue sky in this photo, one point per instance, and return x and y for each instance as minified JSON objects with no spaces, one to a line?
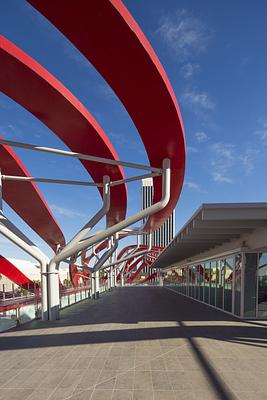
{"x":214,"y":54}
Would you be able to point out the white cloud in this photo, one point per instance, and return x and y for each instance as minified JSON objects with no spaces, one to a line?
{"x":201,"y":137}
{"x":185,"y":34}
{"x":198,"y":101}
{"x":192,"y":185}
{"x":66,"y":212}
{"x":189,"y":70}
{"x":227,"y":160}
{"x":262,"y":135}
{"x":220,"y":178}
{"x":222,"y":162}
{"x":191,"y":149}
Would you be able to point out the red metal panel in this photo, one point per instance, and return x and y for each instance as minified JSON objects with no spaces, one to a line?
{"x":14,"y":274}
{"x":106,"y":33}
{"x":136,"y":273}
{"x":27,"y":201}
{"x":33,"y":87}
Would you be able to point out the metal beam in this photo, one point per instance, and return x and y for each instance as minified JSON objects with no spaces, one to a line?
{"x":81,"y":156}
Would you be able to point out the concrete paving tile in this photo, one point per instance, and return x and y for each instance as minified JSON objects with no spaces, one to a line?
{"x":142,"y":395}
{"x":173,"y":364}
{"x":122,"y":395}
{"x":158,"y":364}
{"x":14,"y":394}
{"x":142,"y":380}
{"x":26,"y":379}
{"x":112,"y":363}
{"x":126,"y":363}
{"x":7,"y":375}
{"x":82,"y":363}
{"x":60,"y":394}
{"x":89,"y":378}
{"x":102,"y":395}
{"x":189,"y":364}
{"x":71,"y":379}
{"x":41,"y":394}
{"x":106,"y":374}
{"x":139,"y":342}
{"x":160,"y":380}
{"x":142,"y":364}
{"x":242,"y":395}
{"x":125,"y":381}
{"x":98,"y":363}
{"x":53,"y":379}
{"x":108,"y":384}
{"x":211,"y":395}
{"x":81,"y":395}
{"x":179,"y":380}
{"x":164,"y":395}
{"x":184,"y":395}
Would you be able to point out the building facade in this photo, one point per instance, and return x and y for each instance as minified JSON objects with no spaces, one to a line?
{"x":220,"y":258}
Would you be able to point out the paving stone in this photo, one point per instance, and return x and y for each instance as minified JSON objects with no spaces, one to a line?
{"x":137,"y":343}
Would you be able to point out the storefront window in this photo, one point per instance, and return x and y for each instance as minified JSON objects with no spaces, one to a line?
{"x":213,"y":280}
{"x":220,"y":282}
{"x":195,"y":281}
{"x":207,"y":283}
{"x":237,"y":282}
{"x":228,"y":283}
{"x":200,"y":281}
{"x":262,"y":286}
{"x":250,"y":284}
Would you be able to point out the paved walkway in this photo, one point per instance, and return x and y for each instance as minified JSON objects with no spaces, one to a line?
{"x":139,"y":344}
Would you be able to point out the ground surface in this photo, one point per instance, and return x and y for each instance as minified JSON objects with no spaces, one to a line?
{"x":136,"y":343}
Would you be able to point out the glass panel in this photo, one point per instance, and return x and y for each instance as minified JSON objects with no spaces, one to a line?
{"x":262,"y":286}
{"x":228,"y":282}
{"x":201,"y":281}
{"x":250,"y":284}
{"x":237,"y":284}
{"x":190,"y":278}
{"x":207,"y":283}
{"x":213,"y":279}
{"x":184,"y":280}
{"x":194,"y":281}
{"x":220,"y":281}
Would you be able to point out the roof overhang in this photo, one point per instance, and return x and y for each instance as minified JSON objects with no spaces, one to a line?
{"x":212,"y":225}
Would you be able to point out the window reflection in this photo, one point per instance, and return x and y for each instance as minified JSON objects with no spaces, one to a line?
{"x":237,"y":283}
{"x":220,"y":282}
{"x":213,"y":280}
{"x":200,"y":281}
{"x":207,"y":283}
{"x":262,"y":286}
{"x":228,"y":283}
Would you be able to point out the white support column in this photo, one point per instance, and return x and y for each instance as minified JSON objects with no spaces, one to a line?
{"x":122,"y":279}
{"x":97,"y":284}
{"x":93,"y":285}
{"x":160,"y":278}
{"x":113,"y":277}
{"x":109,"y":279}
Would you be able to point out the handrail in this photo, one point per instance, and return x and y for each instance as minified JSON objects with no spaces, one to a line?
{"x":12,"y":233}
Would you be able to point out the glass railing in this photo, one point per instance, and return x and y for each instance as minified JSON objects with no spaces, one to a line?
{"x":20,"y":306}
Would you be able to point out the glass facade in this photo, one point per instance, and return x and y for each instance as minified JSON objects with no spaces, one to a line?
{"x":262,"y":286}
{"x":228,"y":284}
{"x":236,"y":283}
